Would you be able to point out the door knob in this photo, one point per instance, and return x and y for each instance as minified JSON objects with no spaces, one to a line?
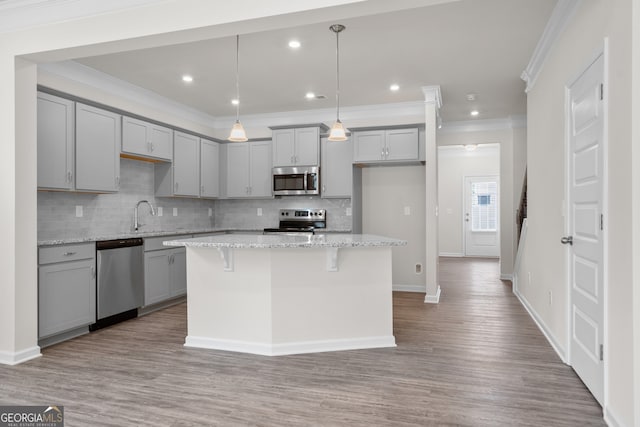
{"x":567,"y":240}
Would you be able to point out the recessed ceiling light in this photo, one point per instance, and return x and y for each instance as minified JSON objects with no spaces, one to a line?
{"x":294,"y":44}
{"x":187,"y":78}
{"x":394,"y":87}
{"x":475,"y":113}
{"x":310,"y":95}
{"x":470,"y":147}
{"x":235,"y":101}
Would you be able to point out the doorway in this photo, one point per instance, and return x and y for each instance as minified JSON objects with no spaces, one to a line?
{"x":481,"y":223}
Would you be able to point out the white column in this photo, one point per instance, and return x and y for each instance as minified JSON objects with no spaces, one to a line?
{"x":18,"y":224}
{"x":432,"y":103}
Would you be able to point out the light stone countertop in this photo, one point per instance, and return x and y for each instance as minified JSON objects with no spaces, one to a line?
{"x":146,"y":234}
{"x":271,"y":241}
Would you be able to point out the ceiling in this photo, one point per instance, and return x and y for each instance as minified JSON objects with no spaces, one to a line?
{"x":469,"y":46}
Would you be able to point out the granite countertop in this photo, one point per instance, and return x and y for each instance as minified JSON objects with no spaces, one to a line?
{"x":145,"y":234}
{"x":271,"y":241}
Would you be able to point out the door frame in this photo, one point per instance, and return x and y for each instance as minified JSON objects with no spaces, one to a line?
{"x":604,"y":53}
{"x":464,"y":210}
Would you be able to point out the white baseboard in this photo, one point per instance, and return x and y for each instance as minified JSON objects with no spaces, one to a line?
{"x":8,"y":358}
{"x":409,"y":288}
{"x":610,"y":419}
{"x":542,"y":326}
{"x":508,"y":277}
{"x":451,"y":254}
{"x":266,"y":349}
{"x":433,"y":299}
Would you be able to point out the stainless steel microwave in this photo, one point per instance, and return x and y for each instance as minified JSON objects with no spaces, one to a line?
{"x":296,"y":180}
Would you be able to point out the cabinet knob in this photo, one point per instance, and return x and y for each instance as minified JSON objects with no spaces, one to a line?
{"x":69,"y":253}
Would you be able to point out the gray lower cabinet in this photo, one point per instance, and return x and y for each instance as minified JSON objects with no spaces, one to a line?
{"x":165,"y":270}
{"x":66,"y":288}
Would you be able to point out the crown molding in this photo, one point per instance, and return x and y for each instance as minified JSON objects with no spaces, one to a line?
{"x":20,"y":14}
{"x":562,"y":13}
{"x":511,"y":122}
{"x":432,"y":95}
{"x":324,"y":115}
{"x":79,"y":73}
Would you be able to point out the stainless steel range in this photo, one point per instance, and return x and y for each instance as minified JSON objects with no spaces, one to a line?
{"x":300,"y":221}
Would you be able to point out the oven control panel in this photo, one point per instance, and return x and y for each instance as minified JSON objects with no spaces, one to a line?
{"x":303,"y":214}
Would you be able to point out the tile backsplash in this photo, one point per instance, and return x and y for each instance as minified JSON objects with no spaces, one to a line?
{"x":112,"y":214}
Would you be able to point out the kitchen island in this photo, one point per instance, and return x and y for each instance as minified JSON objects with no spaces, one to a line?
{"x":280,"y":294}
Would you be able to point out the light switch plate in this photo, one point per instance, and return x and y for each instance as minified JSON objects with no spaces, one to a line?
{"x":175,"y":211}
{"x":348,"y":213}
{"x":79,"y":213}
{"x":259,"y":211}
{"x":210,"y":212}
{"x":407,"y":210}
{"x":159,"y":210}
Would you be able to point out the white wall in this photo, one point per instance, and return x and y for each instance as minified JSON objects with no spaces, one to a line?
{"x":454,"y":163}
{"x":386,"y":192}
{"x":544,"y":258}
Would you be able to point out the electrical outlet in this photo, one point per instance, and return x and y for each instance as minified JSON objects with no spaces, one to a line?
{"x":407,"y":210}
{"x":175,"y":211}
{"x":79,"y":211}
{"x":159,"y":210}
{"x":348,"y":213}
{"x":210,"y":212}
{"x":418,"y":268}
{"x":259,"y":211}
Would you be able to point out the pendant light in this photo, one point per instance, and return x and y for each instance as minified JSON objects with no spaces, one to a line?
{"x":337,"y":132}
{"x":237,"y":131}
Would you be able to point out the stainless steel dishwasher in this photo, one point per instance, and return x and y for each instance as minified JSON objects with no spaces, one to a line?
{"x":120,"y":284}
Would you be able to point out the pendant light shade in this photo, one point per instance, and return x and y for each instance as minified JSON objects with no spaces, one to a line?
{"x":337,"y":132}
{"x":237,"y":131}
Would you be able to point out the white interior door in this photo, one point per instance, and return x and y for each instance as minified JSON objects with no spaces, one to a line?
{"x":481,"y":220}
{"x":585,"y":227}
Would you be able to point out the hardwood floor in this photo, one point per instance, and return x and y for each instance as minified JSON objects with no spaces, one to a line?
{"x":475,"y":359}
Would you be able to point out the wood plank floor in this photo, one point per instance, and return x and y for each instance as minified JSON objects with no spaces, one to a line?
{"x":475,"y":359}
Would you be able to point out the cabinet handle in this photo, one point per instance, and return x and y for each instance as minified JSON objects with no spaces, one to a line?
{"x":202,"y":189}
{"x":387,"y":152}
{"x":152,"y":148}
{"x":69,"y":176}
{"x":93,"y":272}
{"x":176,"y":187}
{"x":171,"y":259}
{"x":324,"y":188}
{"x":69,"y":253}
{"x":382,"y":154}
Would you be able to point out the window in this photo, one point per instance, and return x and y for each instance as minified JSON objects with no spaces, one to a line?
{"x":484,"y":209}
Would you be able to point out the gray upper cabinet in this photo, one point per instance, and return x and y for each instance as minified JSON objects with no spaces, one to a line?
{"x":55,"y":142}
{"x":296,"y":147}
{"x":98,"y":140}
{"x":209,"y":169}
{"x":337,"y":169}
{"x":182,"y":177}
{"x":386,"y":145}
{"x":248,"y":169}
{"x":140,"y":138}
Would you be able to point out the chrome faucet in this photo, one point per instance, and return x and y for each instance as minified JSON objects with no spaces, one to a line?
{"x":136,"y":224}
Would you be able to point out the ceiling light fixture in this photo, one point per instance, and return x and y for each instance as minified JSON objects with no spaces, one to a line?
{"x":310,"y":95}
{"x":337,"y":132}
{"x":235,"y":102}
{"x":394,"y":87}
{"x":294,"y":44}
{"x":470,"y":147}
{"x":237,"y":131}
{"x":475,"y":113}
{"x":471,"y":97}
{"x":187,"y":78}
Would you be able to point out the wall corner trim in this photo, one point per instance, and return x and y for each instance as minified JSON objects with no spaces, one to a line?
{"x":610,"y":419}
{"x":558,"y":21}
{"x":9,"y":358}
{"x":433,"y":299}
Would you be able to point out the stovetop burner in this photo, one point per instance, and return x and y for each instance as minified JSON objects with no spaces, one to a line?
{"x":305,"y":221}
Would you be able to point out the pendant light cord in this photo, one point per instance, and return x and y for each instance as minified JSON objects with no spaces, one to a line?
{"x":337,"y":76}
{"x":237,"y":77}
